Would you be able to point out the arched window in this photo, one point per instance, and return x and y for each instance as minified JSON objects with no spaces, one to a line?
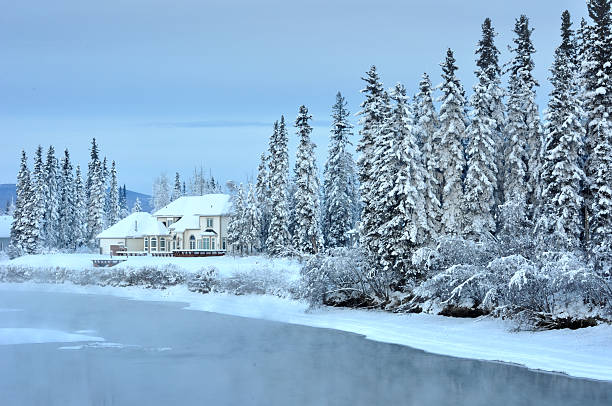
{"x":192,"y":242}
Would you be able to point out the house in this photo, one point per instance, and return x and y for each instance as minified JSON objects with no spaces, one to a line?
{"x":131,"y":233}
{"x":190,"y":223}
{"x":5,"y":231}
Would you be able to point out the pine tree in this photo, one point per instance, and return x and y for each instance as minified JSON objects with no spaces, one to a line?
{"x":97,"y":197}
{"x":278,"y":232}
{"x":307,"y":235}
{"x":161,"y":192}
{"x":79,"y":225}
{"x":452,"y":159}
{"x":123,"y":205}
{"x":338,"y":195}
{"x":263,"y":199}
{"x":561,"y":222}
{"x":371,"y":120}
{"x":37,"y":214}
{"x":426,"y":129}
{"x":94,"y":158}
{"x":113,"y":199}
{"x":67,"y":204}
{"x":405,"y":226}
{"x":137,"y":206}
{"x":236,"y":227}
{"x":252,"y":220}
{"x":50,"y":232}
{"x":23,"y":206}
{"x":598,"y":166}
{"x":488,"y":64}
{"x":176,"y":192}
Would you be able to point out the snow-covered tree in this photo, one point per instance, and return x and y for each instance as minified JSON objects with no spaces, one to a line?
{"x":50,"y":231}
{"x":96,"y":197}
{"x":560,"y":222}
{"x":481,"y":176}
{"x":79,"y":226}
{"x":426,"y":130}
{"x":338,"y":196}
{"x":113,"y":214}
{"x":488,"y":64}
{"x":262,"y":189}
{"x":524,"y":143}
{"x":176,"y":192}
{"x":161,"y":192}
{"x":137,"y":207}
{"x":452,"y":159}
{"x":20,"y":230}
{"x":252,"y":220}
{"x":66,"y":204}
{"x":307,"y":233}
{"x":123,"y":205}
{"x":39,"y":194}
{"x":278,"y":232}
{"x":599,"y":132}
{"x":403,"y":203}
{"x":236,"y":227}
{"x":371,"y":121}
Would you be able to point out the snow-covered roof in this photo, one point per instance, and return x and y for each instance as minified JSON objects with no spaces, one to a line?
{"x":135,"y":225}
{"x":5,"y":226}
{"x":189,"y":222}
{"x":217,"y":204}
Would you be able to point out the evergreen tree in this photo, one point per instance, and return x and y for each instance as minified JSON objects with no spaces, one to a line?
{"x":371,"y":121}
{"x":307,"y":235}
{"x":137,"y":206}
{"x":599,"y":132}
{"x":278,"y":232}
{"x":50,"y":233}
{"x":37,"y":215}
{"x":176,"y":192}
{"x":123,"y":205}
{"x":236,"y":227}
{"x":252,"y":220}
{"x":405,"y":223}
{"x":94,"y":158}
{"x":113,"y":209}
{"x":161,"y":192}
{"x":23,"y":206}
{"x":67,"y":204}
{"x":263,"y":199}
{"x":452,"y":159}
{"x":97,"y":198}
{"x":338,"y":196}
{"x":488,"y":65}
{"x":426,"y":129}
{"x":79,"y":225}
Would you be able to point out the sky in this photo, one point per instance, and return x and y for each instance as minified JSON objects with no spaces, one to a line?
{"x":166,"y":86}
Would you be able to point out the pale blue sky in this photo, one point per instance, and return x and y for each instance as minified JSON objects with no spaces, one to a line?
{"x":166,"y":85}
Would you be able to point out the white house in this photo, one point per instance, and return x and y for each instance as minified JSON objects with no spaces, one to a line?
{"x":190,"y":223}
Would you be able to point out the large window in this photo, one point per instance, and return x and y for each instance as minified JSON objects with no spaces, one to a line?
{"x":192,"y":243}
{"x":200,"y":244}
{"x":162,"y":244}
{"x":212,"y":243}
{"x":209,"y":222}
{"x":153,"y":244}
{"x":207,"y":243}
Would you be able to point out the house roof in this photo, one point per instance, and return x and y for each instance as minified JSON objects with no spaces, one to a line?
{"x":216,"y":204}
{"x":135,"y":225}
{"x":5,"y":226}
{"x":189,"y":222}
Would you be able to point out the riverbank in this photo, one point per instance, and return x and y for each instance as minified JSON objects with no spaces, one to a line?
{"x":583,"y":353}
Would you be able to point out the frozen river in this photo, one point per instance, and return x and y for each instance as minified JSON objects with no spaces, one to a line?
{"x":159,"y":354}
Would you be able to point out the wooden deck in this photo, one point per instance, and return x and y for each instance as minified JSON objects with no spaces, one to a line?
{"x":198,"y":253}
{"x":105,"y":263}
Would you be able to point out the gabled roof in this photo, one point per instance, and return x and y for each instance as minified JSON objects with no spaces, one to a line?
{"x":135,"y":225}
{"x":5,"y":226}
{"x":216,"y":204}
{"x":189,"y":222}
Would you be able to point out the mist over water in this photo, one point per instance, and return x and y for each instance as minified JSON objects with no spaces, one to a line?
{"x":160,"y":354}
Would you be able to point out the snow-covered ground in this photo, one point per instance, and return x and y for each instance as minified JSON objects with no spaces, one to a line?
{"x":226,"y":265}
{"x":582,"y":353}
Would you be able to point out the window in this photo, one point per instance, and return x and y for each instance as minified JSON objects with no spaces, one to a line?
{"x":223,"y":243}
{"x":212,"y":243}
{"x":206,"y":243}
{"x":173,"y":244}
{"x":192,"y":243}
{"x":200,"y":244}
{"x":162,"y":244}
{"x":170,"y":221}
{"x":209,"y":222}
{"x":146,"y":244}
{"x":153,"y":244}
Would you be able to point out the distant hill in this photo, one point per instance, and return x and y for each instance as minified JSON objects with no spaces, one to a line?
{"x":7,"y":192}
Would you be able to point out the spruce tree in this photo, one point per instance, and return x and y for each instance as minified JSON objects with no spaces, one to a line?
{"x":337,"y":192}
{"x":236,"y":227}
{"x":37,"y":214}
{"x":97,"y":198}
{"x":176,"y":192}
{"x":113,"y":211}
{"x":308,"y":237}
{"x":123,"y":205}
{"x":50,"y":233}
{"x":137,"y":207}
{"x":262,"y":189}
{"x":426,"y":129}
{"x":561,"y":221}
{"x":67,"y":204}
{"x":599,"y":133}
{"x":79,"y":225}
{"x":452,"y":159}
{"x":23,"y":205}
{"x":252,"y":220}
{"x":278,"y":232}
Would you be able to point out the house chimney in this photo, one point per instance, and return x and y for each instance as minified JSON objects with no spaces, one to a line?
{"x":135,"y":225}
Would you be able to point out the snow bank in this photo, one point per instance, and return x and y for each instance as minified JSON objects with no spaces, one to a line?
{"x":11,"y":336}
{"x":580,"y":353}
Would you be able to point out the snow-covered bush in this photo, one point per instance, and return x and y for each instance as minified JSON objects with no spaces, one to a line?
{"x":260,"y":281}
{"x":339,"y":276}
{"x":451,"y":251}
{"x":204,"y":280}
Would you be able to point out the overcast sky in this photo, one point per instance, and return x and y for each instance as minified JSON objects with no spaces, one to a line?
{"x":167,"y":85}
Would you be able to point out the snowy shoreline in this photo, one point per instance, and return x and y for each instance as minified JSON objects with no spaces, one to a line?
{"x":580,"y":353}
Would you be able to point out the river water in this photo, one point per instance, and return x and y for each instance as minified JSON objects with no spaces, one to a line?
{"x":160,"y":354}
